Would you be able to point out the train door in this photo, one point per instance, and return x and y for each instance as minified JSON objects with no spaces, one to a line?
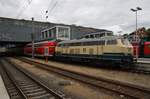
{"x":46,"y":51}
{"x":141,"y":50}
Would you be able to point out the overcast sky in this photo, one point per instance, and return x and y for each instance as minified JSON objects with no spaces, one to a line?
{"x":114,"y":15}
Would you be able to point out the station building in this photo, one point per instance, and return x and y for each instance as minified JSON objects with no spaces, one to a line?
{"x":20,"y":30}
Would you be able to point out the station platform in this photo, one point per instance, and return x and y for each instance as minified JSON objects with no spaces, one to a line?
{"x":143,"y":60}
{"x":3,"y":91}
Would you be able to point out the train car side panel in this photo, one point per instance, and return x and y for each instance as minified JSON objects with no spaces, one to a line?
{"x":147,"y":49}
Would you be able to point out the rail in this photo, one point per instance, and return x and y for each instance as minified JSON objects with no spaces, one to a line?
{"x":122,"y":88}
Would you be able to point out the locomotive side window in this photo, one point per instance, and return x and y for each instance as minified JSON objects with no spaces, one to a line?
{"x":84,"y":50}
{"x":90,"y":43}
{"x":77,"y":51}
{"x":78,"y":44}
{"x":111,"y":42}
{"x":71,"y":51}
{"x":91,"y":51}
{"x":101,"y":42}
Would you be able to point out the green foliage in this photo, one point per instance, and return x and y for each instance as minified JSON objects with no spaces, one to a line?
{"x":148,"y":33}
{"x":145,"y":39}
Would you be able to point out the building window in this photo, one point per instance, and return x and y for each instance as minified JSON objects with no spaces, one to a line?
{"x":46,"y":34}
{"x":64,"y":33}
{"x":57,"y":32}
{"x":53,"y":32}
{"x":42,"y":35}
{"x":50,"y":34}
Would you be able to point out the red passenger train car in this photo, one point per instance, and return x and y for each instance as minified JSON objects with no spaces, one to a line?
{"x":147,"y":49}
{"x":43,"y":48}
{"x":143,"y":50}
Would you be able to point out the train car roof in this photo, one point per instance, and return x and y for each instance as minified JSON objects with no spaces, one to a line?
{"x":91,"y":39}
{"x":43,"y":41}
{"x":147,"y":42}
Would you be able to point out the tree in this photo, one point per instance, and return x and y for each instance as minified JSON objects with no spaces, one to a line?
{"x":148,"y":32}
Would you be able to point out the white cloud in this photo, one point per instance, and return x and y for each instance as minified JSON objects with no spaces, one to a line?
{"x":113,"y":14}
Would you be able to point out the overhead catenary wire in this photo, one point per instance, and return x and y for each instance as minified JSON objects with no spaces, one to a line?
{"x":29,"y":1}
{"x":49,"y":10}
{"x":49,"y":5}
{"x":24,"y":8}
{"x":46,"y":12}
{"x":55,"y":4}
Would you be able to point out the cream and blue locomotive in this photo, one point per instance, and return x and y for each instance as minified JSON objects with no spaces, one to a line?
{"x":108,"y":48}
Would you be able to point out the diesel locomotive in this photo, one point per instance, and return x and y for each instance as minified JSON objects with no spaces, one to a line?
{"x":112,"y":49}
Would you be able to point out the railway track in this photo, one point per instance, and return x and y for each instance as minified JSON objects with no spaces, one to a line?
{"x":22,"y":85}
{"x":10,"y":86}
{"x":142,"y":68}
{"x":137,"y":68}
{"x":121,"y":88}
